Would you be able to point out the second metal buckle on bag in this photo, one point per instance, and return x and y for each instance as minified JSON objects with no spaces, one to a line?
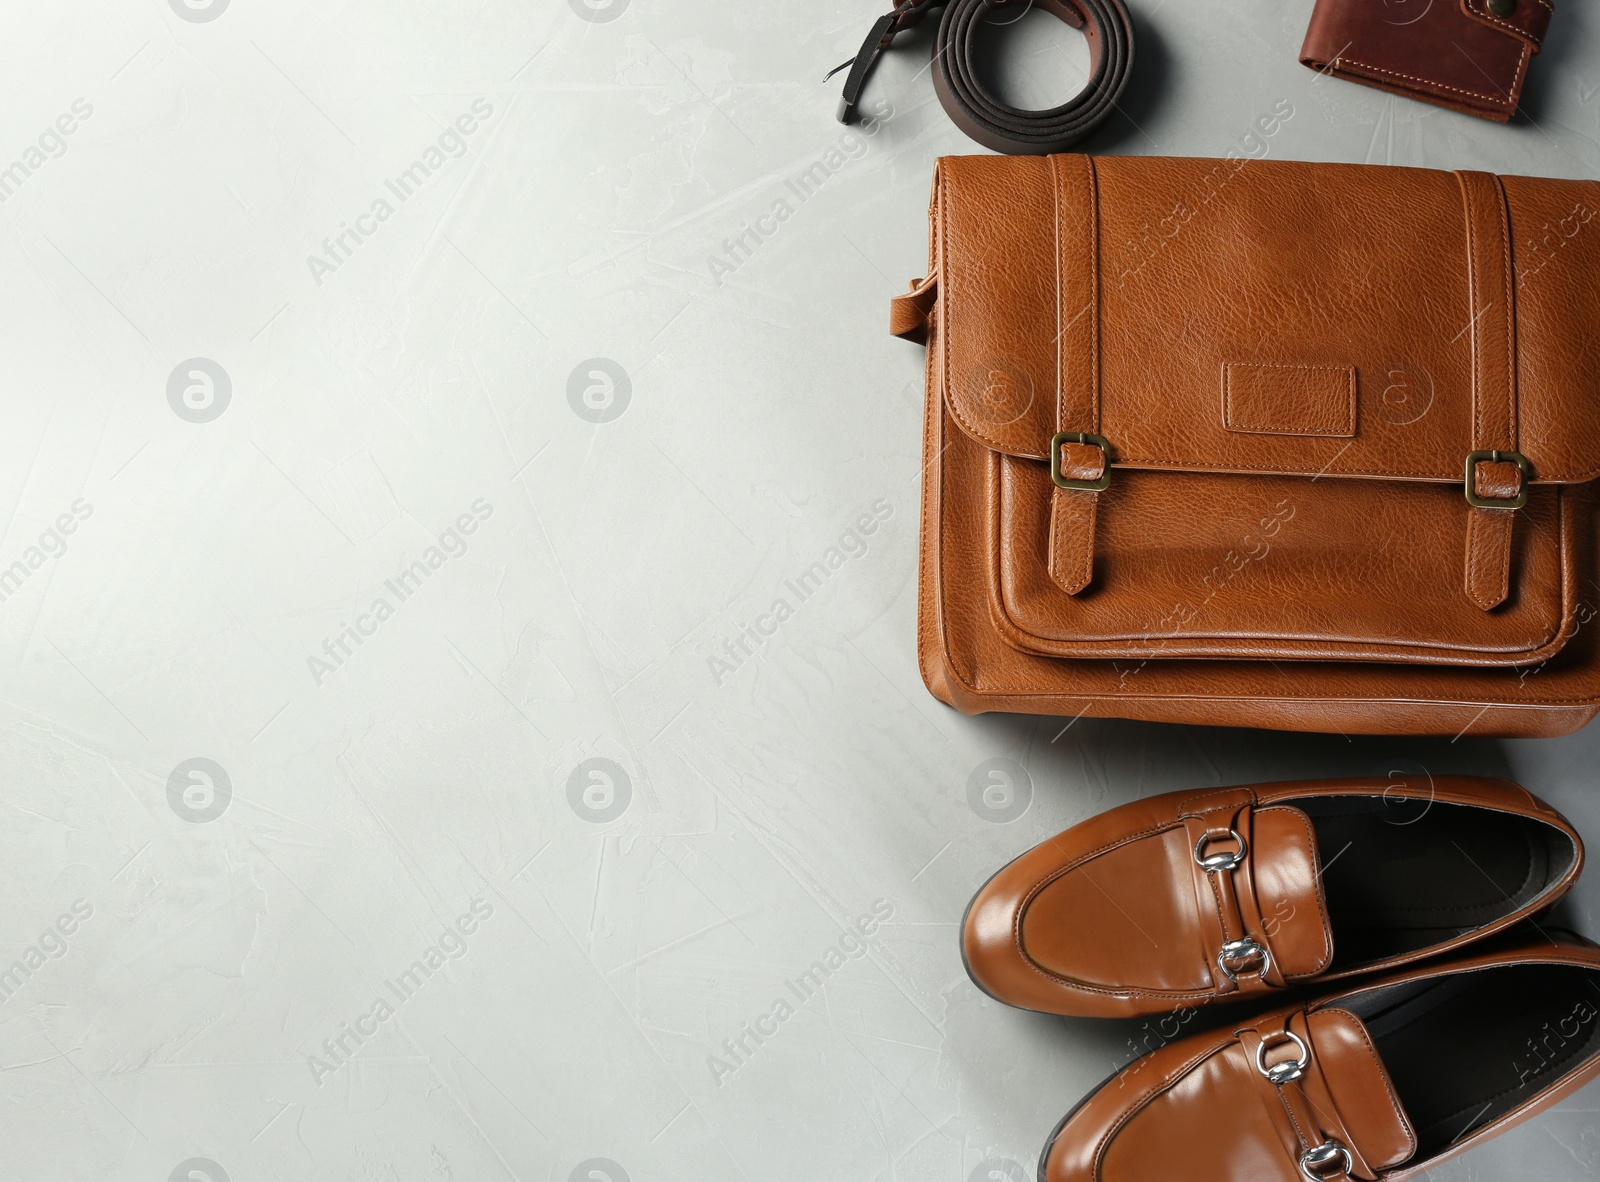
{"x":1474,"y":458}
{"x":1088,"y":440}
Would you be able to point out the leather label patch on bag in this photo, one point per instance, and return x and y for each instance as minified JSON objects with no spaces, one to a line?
{"x":1266,"y":399}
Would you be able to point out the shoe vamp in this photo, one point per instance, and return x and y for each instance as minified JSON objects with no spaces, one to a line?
{"x":1124,"y":919}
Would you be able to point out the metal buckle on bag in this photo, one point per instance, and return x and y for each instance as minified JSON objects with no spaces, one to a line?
{"x":1088,"y":440}
{"x":1288,"y":1071}
{"x":1244,"y":950}
{"x":1314,"y":1161}
{"x":1222,"y":861}
{"x":1474,"y":458}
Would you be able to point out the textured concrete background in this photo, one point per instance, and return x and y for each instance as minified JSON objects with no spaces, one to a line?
{"x":405,"y":466}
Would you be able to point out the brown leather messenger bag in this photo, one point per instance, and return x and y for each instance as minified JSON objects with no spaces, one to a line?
{"x":1261,"y":443}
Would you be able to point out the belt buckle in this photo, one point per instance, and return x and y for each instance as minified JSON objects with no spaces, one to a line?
{"x":1090,"y":440}
{"x":1492,"y":456}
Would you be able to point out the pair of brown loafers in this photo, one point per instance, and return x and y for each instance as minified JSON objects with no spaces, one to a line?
{"x":1413,"y":1007}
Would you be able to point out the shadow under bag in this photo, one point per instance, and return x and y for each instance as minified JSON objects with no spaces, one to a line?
{"x":1260,"y":443}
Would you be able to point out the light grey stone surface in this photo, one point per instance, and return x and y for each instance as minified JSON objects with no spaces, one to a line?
{"x":259,"y":797}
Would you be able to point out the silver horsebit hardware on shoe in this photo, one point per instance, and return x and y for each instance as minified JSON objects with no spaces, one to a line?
{"x":1243,"y":950}
{"x":1222,"y":861}
{"x":1314,"y":1162}
{"x":1287,"y":1071}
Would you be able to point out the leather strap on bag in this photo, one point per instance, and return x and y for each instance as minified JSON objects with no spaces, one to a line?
{"x":1078,"y":459}
{"x":994,"y":124}
{"x":1496,"y":474}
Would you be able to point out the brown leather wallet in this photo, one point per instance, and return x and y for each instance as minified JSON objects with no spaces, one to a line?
{"x":1260,"y":443}
{"x":1468,"y":55}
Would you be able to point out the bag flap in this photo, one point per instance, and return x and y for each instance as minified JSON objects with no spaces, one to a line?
{"x":1254,"y":316}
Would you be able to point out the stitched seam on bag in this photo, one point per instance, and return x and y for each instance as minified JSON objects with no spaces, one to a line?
{"x":1464,"y":184}
{"x":1499,"y":100}
{"x":925,"y":632}
{"x":1078,"y":578}
{"x":1435,"y":475}
{"x":1349,"y":423}
{"x":1383,"y":1074}
{"x":1054,"y":165}
{"x":1094,"y":291}
{"x":1503,"y":216}
{"x":1278,"y":470}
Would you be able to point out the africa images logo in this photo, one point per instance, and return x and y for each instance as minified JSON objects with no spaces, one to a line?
{"x":199,"y":390}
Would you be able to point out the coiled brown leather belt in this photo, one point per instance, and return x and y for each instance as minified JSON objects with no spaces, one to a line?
{"x":974,"y":110}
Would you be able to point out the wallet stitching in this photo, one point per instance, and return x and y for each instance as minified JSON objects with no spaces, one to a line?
{"x":1497,"y":99}
{"x":1520,"y":33}
{"x":1349,"y":418}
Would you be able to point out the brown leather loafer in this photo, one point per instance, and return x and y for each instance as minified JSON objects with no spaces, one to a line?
{"x":1197,"y":897}
{"x":1381,"y":1081}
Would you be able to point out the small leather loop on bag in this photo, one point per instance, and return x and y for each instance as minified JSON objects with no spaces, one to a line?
{"x":992,"y":123}
{"x":908,"y":313}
